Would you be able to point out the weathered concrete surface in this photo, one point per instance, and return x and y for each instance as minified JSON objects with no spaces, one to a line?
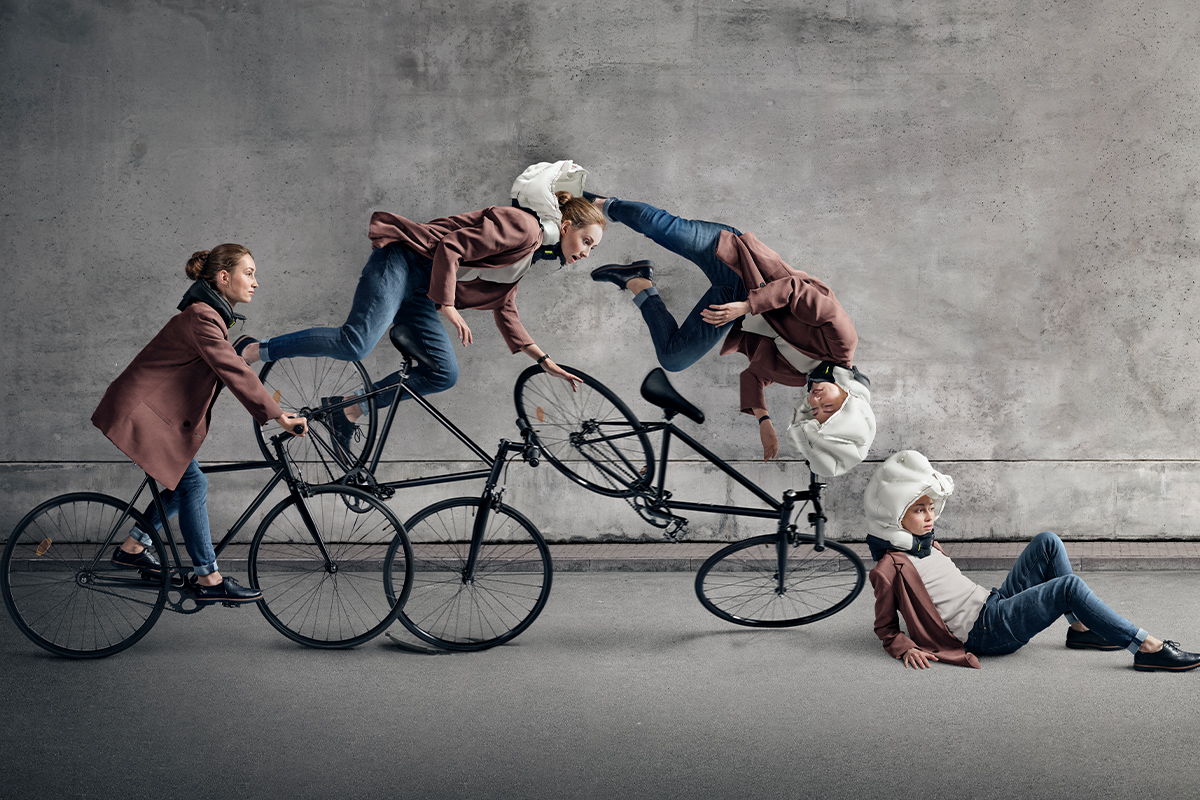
{"x":625,"y":687}
{"x":1003,"y":195}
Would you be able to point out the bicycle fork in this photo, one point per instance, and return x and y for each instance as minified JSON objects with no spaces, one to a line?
{"x":490,"y":498}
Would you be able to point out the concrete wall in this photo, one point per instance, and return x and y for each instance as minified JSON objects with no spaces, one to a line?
{"x":1004,"y":195}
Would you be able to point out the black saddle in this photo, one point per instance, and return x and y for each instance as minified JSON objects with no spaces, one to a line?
{"x":658,"y":390}
{"x":410,"y":346}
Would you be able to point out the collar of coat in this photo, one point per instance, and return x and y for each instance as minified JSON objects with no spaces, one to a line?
{"x":202,"y":292}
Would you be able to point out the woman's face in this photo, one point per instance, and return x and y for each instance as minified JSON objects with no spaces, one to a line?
{"x":918,"y":520}
{"x":825,"y":399}
{"x":238,"y":286}
{"x":577,"y":243}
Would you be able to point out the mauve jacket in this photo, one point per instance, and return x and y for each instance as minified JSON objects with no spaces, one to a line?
{"x":797,"y":306}
{"x":495,"y":237}
{"x":900,"y":590}
{"x":157,"y":411}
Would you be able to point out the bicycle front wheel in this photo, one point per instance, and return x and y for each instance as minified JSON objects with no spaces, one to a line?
{"x":300,"y":386}
{"x":741,"y":583}
{"x":455,"y":608}
{"x":60,"y":586}
{"x":319,"y":561}
{"x":589,"y":435}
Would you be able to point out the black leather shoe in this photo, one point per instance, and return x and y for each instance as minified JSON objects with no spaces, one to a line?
{"x":343,"y":429}
{"x":621,"y":274}
{"x":591,"y":197}
{"x":1170,"y":659}
{"x":144,"y":561}
{"x":227,"y":591}
{"x":1089,"y":640}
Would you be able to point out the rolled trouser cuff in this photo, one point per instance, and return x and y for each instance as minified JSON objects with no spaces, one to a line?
{"x":1138,"y":639}
{"x":644,"y":295}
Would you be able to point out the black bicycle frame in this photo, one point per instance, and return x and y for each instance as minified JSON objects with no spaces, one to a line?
{"x":660,"y":498}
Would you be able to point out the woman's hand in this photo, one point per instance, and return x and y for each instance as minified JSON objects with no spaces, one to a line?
{"x":460,"y":325}
{"x":289,"y":422}
{"x":558,"y":372}
{"x":918,"y":658}
{"x":722,"y":314}
{"x":770,"y":441}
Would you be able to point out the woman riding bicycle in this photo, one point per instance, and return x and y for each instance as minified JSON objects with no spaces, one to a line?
{"x":787,"y":323}
{"x":157,"y":411}
{"x":473,"y":260}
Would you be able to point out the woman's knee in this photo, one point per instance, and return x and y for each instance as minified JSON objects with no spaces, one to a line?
{"x":355,"y":346}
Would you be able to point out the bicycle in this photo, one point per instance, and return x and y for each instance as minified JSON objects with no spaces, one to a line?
{"x":774,"y":580}
{"x":317,"y":557}
{"x":481,"y":570}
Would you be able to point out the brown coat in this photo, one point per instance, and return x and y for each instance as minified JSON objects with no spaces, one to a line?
{"x":797,"y":306}
{"x":492,"y":238}
{"x":899,"y":590}
{"x":157,"y":411}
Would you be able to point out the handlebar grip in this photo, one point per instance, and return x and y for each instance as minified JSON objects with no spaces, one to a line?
{"x":819,"y":530}
{"x":298,"y":429}
{"x":535,"y":456}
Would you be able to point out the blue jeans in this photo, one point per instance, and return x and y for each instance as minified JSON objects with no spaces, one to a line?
{"x":188,"y":501}
{"x":1039,"y":589}
{"x":390,"y":290}
{"x":680,"y":346}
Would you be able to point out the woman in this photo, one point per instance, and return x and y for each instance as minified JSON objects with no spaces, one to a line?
{"x":952,"y":619}
{"x":157,"y":411}
{"x":473,"y":260}
{"x":788,"y":324}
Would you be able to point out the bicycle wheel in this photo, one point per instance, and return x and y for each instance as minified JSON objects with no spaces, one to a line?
{"x":300,"y":385}
{"x":340,"y":601}
{"x":740,"y":583}
{"x":62,"y":590}
{"x":504,"y":596}
{"x":589,"y":435}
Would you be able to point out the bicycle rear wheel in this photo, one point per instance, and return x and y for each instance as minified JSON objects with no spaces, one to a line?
{"x":590,"y":435}
{"x":740,"y":583}
{"x":62,"y":590}
{"x":333,"y":602}
{"x":454,"y":610}
{"x":300,"y":385}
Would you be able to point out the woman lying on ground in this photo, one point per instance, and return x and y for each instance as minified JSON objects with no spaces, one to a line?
{"x":949,"y":617}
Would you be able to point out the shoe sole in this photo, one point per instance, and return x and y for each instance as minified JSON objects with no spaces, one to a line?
{"x":1144,"y":668}
{"x":1106,"y":647}
{"x":208,"y":601}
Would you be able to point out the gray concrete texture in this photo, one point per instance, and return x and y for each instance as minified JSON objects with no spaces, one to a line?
{"x":1002,"y":194}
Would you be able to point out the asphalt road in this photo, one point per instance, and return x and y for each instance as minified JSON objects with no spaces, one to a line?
{"x":624,"y":688}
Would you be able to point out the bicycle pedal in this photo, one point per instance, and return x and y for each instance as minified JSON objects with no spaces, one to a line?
{"x":231,"y":605}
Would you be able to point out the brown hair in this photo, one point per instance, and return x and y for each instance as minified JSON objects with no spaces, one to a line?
{"x":579,"y":212}
{"x":205,"y":264}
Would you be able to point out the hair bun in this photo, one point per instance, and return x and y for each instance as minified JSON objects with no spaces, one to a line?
{"x":195,"y":264}
{"x":563,"y":197}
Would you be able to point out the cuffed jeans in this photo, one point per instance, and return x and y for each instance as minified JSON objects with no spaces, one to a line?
{"x":188,"y":501}
{"x":680,"y":346}
{"x":390,"y":290}
{"x":1041,"y":588}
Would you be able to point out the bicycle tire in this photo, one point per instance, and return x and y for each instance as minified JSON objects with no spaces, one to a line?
{"x":571,"y":429}
{"x":299,"y":385}
{"x":62,"y":591}
{"x":512,"y":577}
{"x":346,"y":603}
{"x":739,"y":583}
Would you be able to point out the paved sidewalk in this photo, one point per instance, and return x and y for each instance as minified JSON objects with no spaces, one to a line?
{"x":688,"y":556}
